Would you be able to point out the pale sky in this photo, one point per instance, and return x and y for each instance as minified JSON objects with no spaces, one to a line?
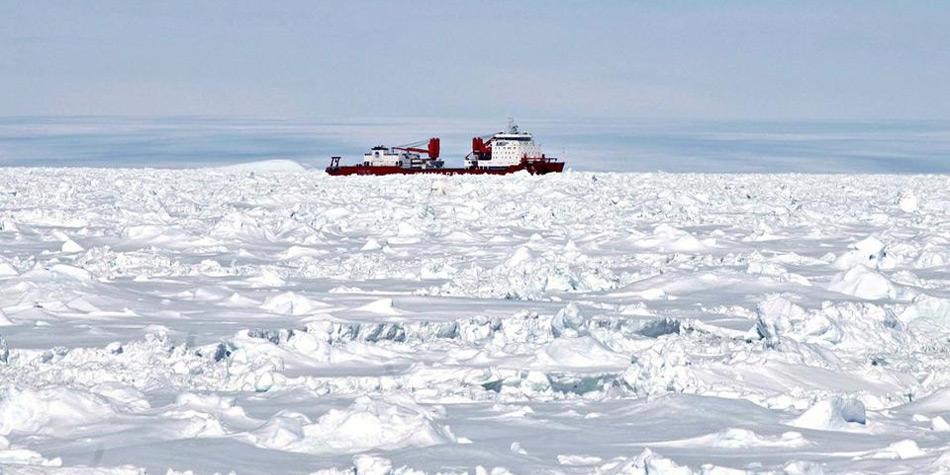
{"x":542,"y":59}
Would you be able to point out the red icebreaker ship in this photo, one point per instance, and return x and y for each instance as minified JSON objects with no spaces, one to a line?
{"x":500,"y":154}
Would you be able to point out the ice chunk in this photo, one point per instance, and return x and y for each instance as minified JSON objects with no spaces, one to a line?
{"x":8,"y":225}
{"x":662,"y":368}
{"x":868,"y":252}
{"x":799,"y":467}
{"x":70,"y":247}
{"x":939,"y":424}
{"x":516,"y":447}
{"x":568,"y":321}
{"x":372,"y":465}
{"x":900,"y":450}
{"x":908,"y":203}
{"x":660,"y":326}
{"x":774,"y":316}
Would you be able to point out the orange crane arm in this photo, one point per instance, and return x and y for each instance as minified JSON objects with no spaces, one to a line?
{"x":432,"y":151}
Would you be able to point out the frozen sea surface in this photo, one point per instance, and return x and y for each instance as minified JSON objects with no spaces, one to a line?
{"x":588,"y":145}
{"x":264,"y":322}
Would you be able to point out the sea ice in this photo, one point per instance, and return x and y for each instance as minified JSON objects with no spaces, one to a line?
{"x":272,"y":319}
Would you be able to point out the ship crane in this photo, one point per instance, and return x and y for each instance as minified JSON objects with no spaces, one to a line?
{"x":481,"y":148}
{"x":432,"y":150}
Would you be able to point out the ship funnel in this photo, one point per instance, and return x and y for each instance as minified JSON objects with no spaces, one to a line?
{"x":434,"y":148}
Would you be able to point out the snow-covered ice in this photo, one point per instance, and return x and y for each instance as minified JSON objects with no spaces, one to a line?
{"x":270,"y":319}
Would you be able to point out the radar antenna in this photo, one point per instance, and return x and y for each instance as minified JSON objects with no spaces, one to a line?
{"x":512,"y":126}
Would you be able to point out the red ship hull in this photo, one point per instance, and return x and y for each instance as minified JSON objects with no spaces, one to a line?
{"x":534,"y":168}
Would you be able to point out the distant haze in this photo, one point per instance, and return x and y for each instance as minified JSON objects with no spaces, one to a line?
{"x":535,"y":59}
{"x":595,"y":145}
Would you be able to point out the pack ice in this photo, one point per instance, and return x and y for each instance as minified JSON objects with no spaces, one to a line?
{"x":277,"y":320}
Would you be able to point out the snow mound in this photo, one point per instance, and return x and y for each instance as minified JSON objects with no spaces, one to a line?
{"x":735,"y":438}
{"x":7,"y":269}
{"x":776,"y":271}
{"x":939,"y":424}
{"x":837,"y":413}
{"x":289,"y":303}
{"x":578,"y":460}
{"x":371,"y":245}
{"x":864,"y":283}
{"x":246,"y":227}
{"x":578,"y":352}
{"x":384,"y":306}
{"x":275,"y":165}
{"x":208,"y":415}
{"x":648,"y":462}
{"x":368,"y":424}
{"x":668,"y":238}
{"x":295,"y":252}
{"x":163,"y":236}
{"x":267,"y":278}
{"x":54,"y":411}
{"x":10,"y":458}
{"x":925,"y":306}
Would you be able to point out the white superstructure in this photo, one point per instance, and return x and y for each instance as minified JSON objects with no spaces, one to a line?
{"x":504,"y":149}
{"x":386,"y":157}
